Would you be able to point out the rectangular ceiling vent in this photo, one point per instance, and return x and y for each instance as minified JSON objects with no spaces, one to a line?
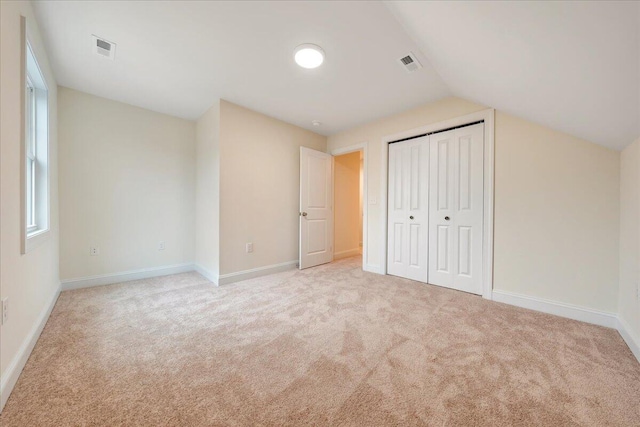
{"x":410,"y":63}
{"x":104,"y":47}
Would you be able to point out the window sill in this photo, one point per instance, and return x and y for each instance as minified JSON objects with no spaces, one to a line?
{"x":35,"y":239}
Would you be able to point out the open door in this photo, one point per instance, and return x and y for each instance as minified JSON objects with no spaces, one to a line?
{"x":316,"y":208}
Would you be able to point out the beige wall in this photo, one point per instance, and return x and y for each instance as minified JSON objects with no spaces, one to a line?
{"x":556,"y":205}
{"x":30,"y":281}
{"x":208,"y":191}
{"x":127,"y":182}
{"x":629,"y":302}
{"x":346,"y":198}
{"x":259,"y":187}
{"x":556,"y":215}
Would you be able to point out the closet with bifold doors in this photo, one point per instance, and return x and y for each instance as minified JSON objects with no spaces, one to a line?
{"x":435,"y":208}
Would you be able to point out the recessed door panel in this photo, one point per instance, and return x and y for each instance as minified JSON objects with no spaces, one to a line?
{"x":398,"y":229}
{"x":317,"y":190}
{"x":443,"y":255}
{"x":464,"y":173}
{"x":442,"y":182}
{"x":414,"y":196}
{"x":317,"y":236}
{"x":414,"y":245}
{"x":398,"y":182}
{"x":464,"y":250}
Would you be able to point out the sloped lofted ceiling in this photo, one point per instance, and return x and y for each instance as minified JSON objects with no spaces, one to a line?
{"x":572,"y":66}
{"x":176,"y":57}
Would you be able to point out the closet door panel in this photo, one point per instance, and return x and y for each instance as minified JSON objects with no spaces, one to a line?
{"x":408,"y":212}
{"x":456,"y":208}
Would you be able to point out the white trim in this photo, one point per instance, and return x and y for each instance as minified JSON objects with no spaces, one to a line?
{"x":364,"y":147}
{"x":371,"y":268}
{"x":225,"y":279}
{"x":488,"y":116}
{"x":487,"y":217}
{"x":346,"y":254}
{"x":36,"y":239}
{"x":570,"y":311}
{"x":209,"y":275}
{"x":125,"y":276}
{"x":11,"y":375}
{"x":41,"y":93}
{"x":626,"y":334}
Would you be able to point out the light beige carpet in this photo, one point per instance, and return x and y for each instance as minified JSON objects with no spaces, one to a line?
{"x":326,"y":346}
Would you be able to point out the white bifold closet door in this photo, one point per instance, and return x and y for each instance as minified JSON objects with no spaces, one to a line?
{"x":435,"y":208}
{"x":456,"y":208}
{"x":408,"y":210}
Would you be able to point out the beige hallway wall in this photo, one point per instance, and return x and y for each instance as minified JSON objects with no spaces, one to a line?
{"x":259,"y":187}
{"x":346,"y":197}
{"x":556,"y":205}
{"x":127,"y":182}
{"x":29,"y":281}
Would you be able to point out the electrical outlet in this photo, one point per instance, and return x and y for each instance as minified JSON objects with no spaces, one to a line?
{"x":94,"y":251}
{"x":161,"y":246}
{"x":5,"y":310}
{"x":249,"y":248}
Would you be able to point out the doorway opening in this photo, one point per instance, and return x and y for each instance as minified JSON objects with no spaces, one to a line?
{"x":348,"y":192}
{"x":320,"y":207}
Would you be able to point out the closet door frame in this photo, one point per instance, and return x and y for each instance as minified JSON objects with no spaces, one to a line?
{"x":488,"y":116}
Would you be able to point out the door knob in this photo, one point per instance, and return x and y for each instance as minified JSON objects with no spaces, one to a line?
{"x":411,"y":217}
{"x":446,"y":218}
{"x":303,"y":214}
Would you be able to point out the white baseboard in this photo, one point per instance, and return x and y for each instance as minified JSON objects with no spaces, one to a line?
{"x":11,"y":375}
{"x":569,"y":311}
{"x":210,"y":276}
{"x":346,"y":254}
{"x":627,"y":335}
{"x":225,"y":279}
{"x":126,"y":276}
{"x":373,"y":269}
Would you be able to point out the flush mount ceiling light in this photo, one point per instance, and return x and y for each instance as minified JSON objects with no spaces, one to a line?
{"x":316,"y":122}
{"x":308,"y":55}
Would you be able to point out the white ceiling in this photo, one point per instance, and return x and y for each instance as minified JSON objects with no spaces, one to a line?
{"x":176,"y":57}
{"x":572,"y":66}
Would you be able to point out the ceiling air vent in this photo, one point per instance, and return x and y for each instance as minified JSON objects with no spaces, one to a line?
{"x":103,"y":47}
{"x":410,"y":63}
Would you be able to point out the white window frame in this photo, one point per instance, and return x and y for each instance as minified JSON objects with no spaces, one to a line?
{"x":31,"y":159}
{"x":35,"y":182}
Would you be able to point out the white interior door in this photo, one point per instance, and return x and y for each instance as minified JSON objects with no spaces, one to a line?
{"x":316,"y":208}
{"x":408,"y":209}
{"x":456,"y":208}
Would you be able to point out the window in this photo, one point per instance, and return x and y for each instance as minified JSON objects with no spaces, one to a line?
{"x":36,"y":153}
